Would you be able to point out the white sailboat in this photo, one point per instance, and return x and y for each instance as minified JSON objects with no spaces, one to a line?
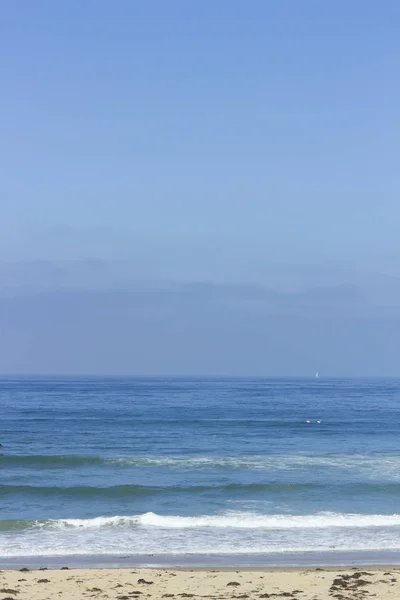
{"x":317,"y":375}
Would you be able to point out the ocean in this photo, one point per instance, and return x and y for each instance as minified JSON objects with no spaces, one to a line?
{"x":199,"y":471}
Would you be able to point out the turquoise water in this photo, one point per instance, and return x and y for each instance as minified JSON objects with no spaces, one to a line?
{"x":179,"y":467}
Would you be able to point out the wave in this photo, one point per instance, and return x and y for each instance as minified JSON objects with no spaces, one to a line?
{"x":122,"y":491}
{"x":51,"y":462}
{"x":117,"y":491}
{"x":132,"y":491}
{"x":228,"y":520}
{"x":271,"y":462}
{"x":254,"y":520}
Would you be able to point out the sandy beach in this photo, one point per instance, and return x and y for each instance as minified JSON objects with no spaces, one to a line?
{"x":124,"y":584}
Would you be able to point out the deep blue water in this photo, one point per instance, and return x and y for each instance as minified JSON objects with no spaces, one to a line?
{"x":177,"y":466}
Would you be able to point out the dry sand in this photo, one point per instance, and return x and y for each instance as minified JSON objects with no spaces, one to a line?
{"x":125,"y":584}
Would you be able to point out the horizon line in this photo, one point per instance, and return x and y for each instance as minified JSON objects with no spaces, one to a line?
{"x":187,"y":377}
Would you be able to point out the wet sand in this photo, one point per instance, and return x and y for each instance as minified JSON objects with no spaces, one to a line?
{"x":331,"y":583}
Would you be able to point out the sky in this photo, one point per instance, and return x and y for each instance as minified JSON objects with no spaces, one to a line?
{"x":200,"y":188}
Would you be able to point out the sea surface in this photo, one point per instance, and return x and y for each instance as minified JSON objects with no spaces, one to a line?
{"x":199,"y":471}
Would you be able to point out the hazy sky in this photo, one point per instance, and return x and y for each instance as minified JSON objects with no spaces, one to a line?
{"x":200,"y":187}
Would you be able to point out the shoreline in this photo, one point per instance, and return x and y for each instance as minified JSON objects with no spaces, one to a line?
{"x":297,"y":583}
{"x":312,"y":559}
{"x":266,"y":569}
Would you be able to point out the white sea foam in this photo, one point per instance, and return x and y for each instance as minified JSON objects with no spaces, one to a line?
{"x":228,"y":533}
{"x":376,"y":465}
{"x":233,"y":520}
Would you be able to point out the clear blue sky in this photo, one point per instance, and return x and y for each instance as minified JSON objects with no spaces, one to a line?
{"x":227,"y":142}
